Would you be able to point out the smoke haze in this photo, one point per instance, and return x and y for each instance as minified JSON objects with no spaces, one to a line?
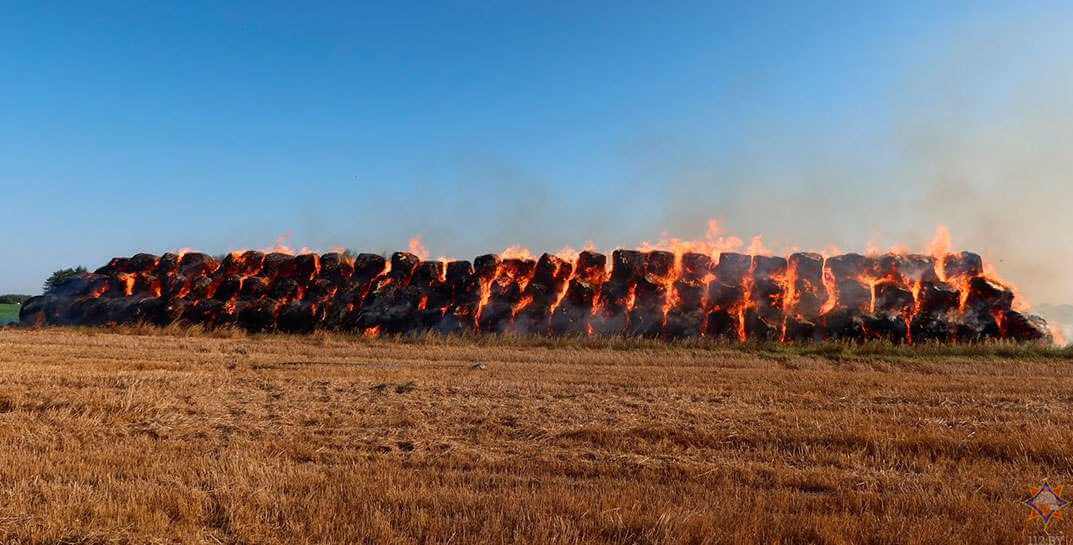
{"x":976,"y":138}
{"x":813,"y":127}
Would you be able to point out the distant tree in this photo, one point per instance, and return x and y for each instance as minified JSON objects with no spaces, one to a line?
{"x":61,"y":276}
{"x":13,"y":299}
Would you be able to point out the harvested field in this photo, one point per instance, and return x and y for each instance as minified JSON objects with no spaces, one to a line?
{"x":161,"y":436}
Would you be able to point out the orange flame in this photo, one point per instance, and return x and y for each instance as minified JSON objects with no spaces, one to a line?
{"x":418,"y":248}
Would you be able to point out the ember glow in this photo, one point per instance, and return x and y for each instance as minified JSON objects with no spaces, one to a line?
{"x":717,"y":287}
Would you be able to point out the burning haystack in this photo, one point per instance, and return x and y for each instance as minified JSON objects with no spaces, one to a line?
{"x":900,"y":297}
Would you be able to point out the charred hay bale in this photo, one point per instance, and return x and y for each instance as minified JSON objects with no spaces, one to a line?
{"x":277,"y":265}
{"x":759,"y":328}
{"x":228,"y":288}
{"x":83,"y":284}
{"x":336,"y":267}
{"x":320,"y":290}
{"x":495,"y":316}
{"x":962,"y":264}
{"x":532,"y":320}
{"x":174,"y":310}
{"x":299,"y":317}
{"x":611,"y":317}
{"x":147,"y":284}
{"x":152,"y":310}
{"x":204,"y":312}
{"x":807,"y":267}
{"x":627,"y":265}
{"x":285,"y":289}
{"x":505,"y":294}
{"x":591,"y":267}
{"x":932,"y":327}
{"x":429,"y":319}
{"x":853,"y":294}
{"x":176,"y":287}
{"x":142,"y":263}
{"x":306,"y":267}
{"x":799,"y":330}
{"x":843,"y":324}
{"x":487,"y":266}
{"x":609,"y":322}
{"x":808,"y":304}
{"x":568,"y":320}
{"x":552,"y":271}
{"x":338,"y":309}
{"x":659,"y":263}
{"x":767,"y":294}
{"x":227,"y":316}
{"x":437,"y":297}
{"x":917,"y":268}
{"x":246,"y":263}
{"x":85,"y":311}
{"x":48,"y":309}
{"x":458,"y":273}
{"x":581,"y":294}
{"x":688,"y":295}
{"x":340,"y":314}
{"x":124,"y":310}
{"x":467,"y":293}
{"x":732,"y":268}
{"x":464,"y":288}
{"x":646,"y":317}
{"x":886,"y":327}
{"x":195,"y":264}
{"x":367,"y":267}
{"x":848,"y":266}
{"x":542,"y":293}
{"x":167,"y":265}
{"x":904,"y":268}
{"x":681,"y":323}
{"x":258,"y":316}
{"x":805,"y":271}
{"x":987,"y":297}
{"x":1026,"y":328}
{"x":393,"y":308}
{"x":403,"y":265}
{"x":99,"y":311}
{"x":696,"y":267}
{"x":120,"y":285}
{"x":537,"y":295}
{"x":455,"y":322}
{"x":769,"y":268}
{"x":723,"y":324}
{"x":976,"y":327}
{"x":517,"y":268}
{"x":891,"y":298}
{"x":644,"y":323}
{"x":725,"y":296}
{"x":114,"y":266}
{"x":572,"y":314}
{"x":428,"y":273}
{"x":254,"y":287}
{"x":938,"y":298}
{"x":887,"y":266}
{"x":200,"y":288}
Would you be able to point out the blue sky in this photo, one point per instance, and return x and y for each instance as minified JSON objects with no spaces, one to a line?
{"x":129,"y":127}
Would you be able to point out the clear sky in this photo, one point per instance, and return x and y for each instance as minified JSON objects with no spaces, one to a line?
{"x":139,"y":126}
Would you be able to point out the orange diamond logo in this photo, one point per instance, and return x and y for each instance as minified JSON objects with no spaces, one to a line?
{"x":1046,"y":502}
